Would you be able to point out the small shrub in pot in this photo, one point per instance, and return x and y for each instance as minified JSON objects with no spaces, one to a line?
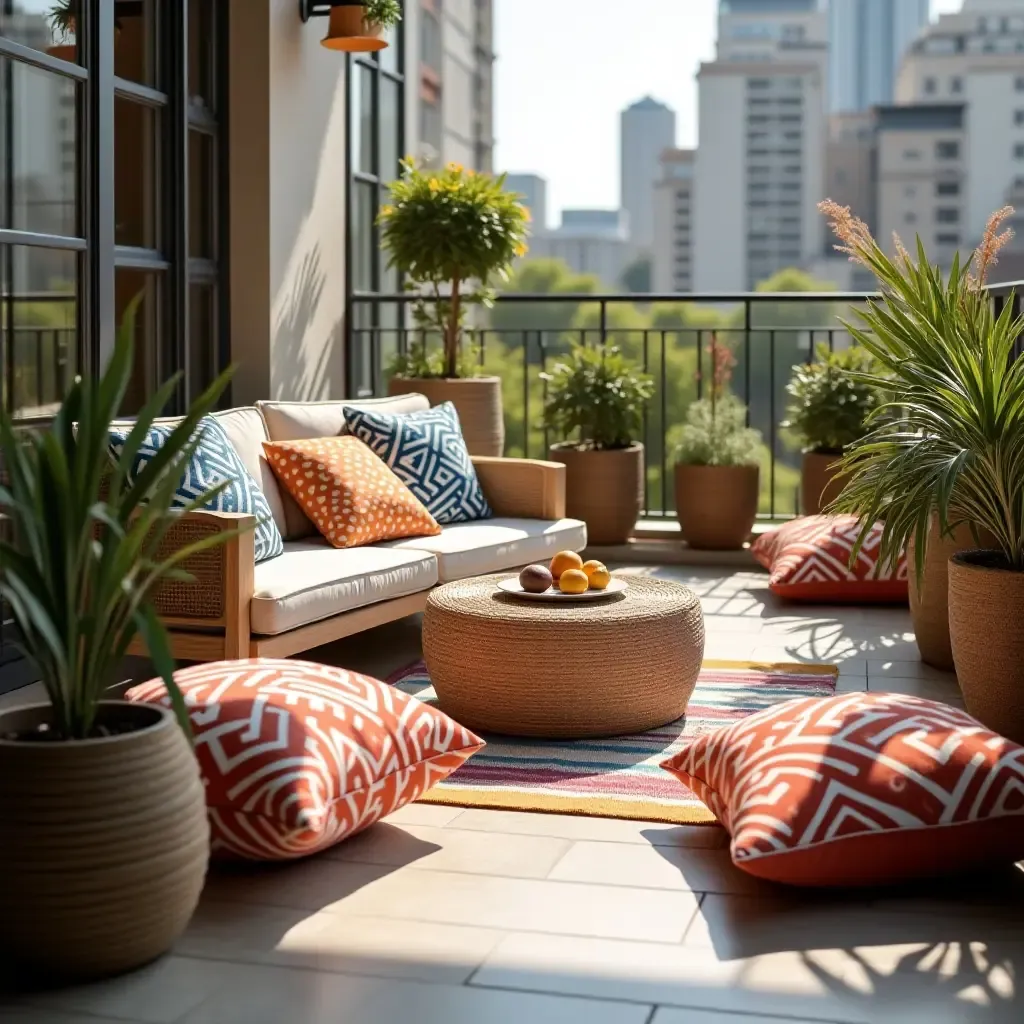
{"x":717,"y":472}
{"x":595,"y":403}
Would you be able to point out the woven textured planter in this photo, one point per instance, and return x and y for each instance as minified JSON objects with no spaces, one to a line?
{"x":985,"y":604}
{"x":603,"y":488}
{"x":820,"y":484}
{"x":929,"y":602}
{"x":717,"y":505}
{"x":103,"y":843}
{"x":477,"y":400}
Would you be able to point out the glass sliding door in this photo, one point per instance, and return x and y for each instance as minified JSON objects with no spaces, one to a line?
{"x":112,"y":184}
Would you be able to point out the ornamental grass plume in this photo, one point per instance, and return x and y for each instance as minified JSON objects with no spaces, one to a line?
{"x":949,"y":442}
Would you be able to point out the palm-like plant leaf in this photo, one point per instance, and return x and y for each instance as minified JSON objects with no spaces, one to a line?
{"x":950,"y":442}
{"x":83,"y":564}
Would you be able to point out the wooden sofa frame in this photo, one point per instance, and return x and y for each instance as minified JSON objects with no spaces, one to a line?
{"x":208,"y":618}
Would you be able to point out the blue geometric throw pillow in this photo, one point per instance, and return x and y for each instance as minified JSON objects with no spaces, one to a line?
{"x":214,"y":461}
{"x":427,"y":452}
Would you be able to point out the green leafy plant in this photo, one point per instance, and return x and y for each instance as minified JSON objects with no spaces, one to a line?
{"x":596,"y":398}
{"x":385,"y":13}
{"x":716,"y":431}
{"x":62,"y":19}
{"x":950,"y":439}
{"x":829,"y":403}
{"x":451,"y":233}
{"x":83,"y":559}
{"x":716,"y":434}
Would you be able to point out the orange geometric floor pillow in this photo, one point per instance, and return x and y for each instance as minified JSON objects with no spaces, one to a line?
{"x":860,"y":789}
{"x":809,"y":560}
{"x":296,"y":756}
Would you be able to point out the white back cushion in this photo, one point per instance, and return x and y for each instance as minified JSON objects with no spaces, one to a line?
{"x":296,"y":421}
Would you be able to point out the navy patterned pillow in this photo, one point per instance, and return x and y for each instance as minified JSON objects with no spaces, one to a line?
{"x":427,"y":452}
{"x":214,"y":461}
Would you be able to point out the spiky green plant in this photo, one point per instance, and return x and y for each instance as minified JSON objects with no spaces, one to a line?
{"x":950,"y":440}
{"x":62,"y":18}
{"x":82,"y":563}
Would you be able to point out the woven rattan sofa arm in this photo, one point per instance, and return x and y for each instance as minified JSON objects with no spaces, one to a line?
{"x":221,"y":592}
{"x":523,"y":488}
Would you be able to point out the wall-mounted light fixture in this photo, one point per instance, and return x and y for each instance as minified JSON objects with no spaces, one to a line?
{"x":347,"y":28}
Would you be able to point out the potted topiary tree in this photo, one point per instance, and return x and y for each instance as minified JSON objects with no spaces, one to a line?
{"x":105,"y":837}
{"x":953,"y":453}
{"x":358,"y":26}
{"x":452,"y":233}
{"x":717,"y":473}
{"x":595,"y":402}
{"x":828,"y":410}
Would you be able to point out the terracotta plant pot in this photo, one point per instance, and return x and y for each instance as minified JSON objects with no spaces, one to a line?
{"x":348,"y":30}
{"x":477,"y":401}
{"x":929,"y":602}
{"x":603,"y":488}
{"x":717,"y":505}
{"x":985,"y":602}
{"x":103,"y":842}
{"x":820,"y":483}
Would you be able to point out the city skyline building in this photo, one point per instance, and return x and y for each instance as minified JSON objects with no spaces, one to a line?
{"x":646,"y":129}
{"x":867,"y":42}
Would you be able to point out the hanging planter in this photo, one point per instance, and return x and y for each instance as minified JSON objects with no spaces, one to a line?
{"x":357,"y":26}
{"x":63,"y":27}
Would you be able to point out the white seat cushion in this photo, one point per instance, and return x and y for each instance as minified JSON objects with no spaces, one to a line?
{"x":490,"y":545}
{"x":313,"y":581}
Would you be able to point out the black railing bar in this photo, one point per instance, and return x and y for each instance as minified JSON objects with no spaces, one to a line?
{"x":746,"y":357}
{"x":526,"y":394}
{"x":646,"y":417}
{"x":771,"y":421}
{"x":643,"y":299}
{"x":664,"y":424}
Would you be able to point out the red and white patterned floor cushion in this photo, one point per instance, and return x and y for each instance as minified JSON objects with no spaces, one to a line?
{"x":296,"y":756}
{"x":860,"y":789}
{"x":809,"y":560}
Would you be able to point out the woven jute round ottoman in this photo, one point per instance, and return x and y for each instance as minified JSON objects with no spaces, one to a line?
{"x":567,"y":670}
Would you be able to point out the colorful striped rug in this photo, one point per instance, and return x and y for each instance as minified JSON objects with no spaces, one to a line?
{"x":618,"y":777}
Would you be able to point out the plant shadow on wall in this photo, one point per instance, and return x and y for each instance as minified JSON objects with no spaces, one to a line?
{"x":294,"y":374}
{"x":948,"y":446}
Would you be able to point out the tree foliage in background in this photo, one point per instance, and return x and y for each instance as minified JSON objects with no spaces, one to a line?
{"x":950,"y":441}
{"x":638,"y":277}
{"x":830,"y":400}
{"x":84,"y":560}
{"x":452,"y":233}
{"x":596,"y":398}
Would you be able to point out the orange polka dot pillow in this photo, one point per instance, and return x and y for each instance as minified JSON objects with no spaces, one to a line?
{"x":296,"y":757}
{"x":860,"y":789}
{"x":350,"y":496}
{"x":809,"y":560}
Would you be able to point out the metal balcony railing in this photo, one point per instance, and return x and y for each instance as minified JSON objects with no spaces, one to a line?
{"x":666,"y":335}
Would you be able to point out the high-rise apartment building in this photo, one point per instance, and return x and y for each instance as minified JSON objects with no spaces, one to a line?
{"x":759,"y":170}
{"x":534,"y":190}
{"x":647,"y":129}
{"x":867,"y":42}
{"x":450,"y":81}
{"x":974,"y":61}
{"x":672,"y":264}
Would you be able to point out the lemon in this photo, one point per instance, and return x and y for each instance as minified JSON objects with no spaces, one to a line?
{"x":573,"y":581}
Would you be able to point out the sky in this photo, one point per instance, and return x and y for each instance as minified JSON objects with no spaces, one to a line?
{"x":565,"y":70}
